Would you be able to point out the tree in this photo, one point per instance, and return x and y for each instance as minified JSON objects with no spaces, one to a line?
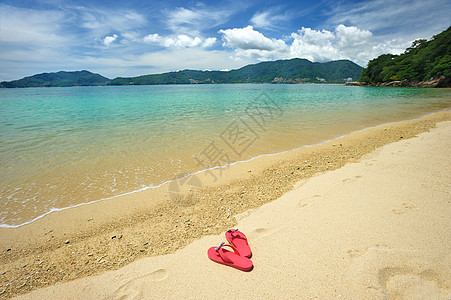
{"x":423,"y":60}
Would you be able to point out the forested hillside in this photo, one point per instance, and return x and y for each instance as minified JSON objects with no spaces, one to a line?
{"x":420,"y":62}
{"x":281,"y":71}
{"x":59,"y":79}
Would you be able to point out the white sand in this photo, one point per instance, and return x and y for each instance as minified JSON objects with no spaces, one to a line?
{"x":374,"y":229}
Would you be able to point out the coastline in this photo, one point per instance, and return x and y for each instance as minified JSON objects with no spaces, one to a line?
{"x":374,"y":229}
{"x":441,"y":82}
{"x":110,"y":234}
{"x":183,"y":176}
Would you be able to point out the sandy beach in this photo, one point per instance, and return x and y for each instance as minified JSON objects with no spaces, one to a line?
{"x":363,"y":216}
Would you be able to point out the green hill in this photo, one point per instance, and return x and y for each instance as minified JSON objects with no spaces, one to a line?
{"x":59,"y":79}
{"x":420,"y":62}
{"x":280,"y":71}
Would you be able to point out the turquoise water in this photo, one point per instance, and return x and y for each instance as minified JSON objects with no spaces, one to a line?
{"x":61,"y":147}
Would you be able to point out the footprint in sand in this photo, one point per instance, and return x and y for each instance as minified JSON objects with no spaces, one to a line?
{"x":404,"y":209}
{"x":354,"y":253}
{"x":134,"y":287}
{"x":262,"y":232}
{"x":371,"y":162}
{"x":388,"y":273}
{"x":352,"y":179}
{"x":245,"y":214}
{"x":309,"y":200}
{"x":406,"y":283}
{"x":397,"y":152}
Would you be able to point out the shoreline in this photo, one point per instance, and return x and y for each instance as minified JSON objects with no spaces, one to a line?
{"x":374,"y":229}
{"x":104,"y":237}
{"x":187,"y":175}
{"x":441,"y":82}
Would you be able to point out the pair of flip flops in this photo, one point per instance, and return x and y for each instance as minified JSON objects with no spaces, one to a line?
{"x":238,"y":258}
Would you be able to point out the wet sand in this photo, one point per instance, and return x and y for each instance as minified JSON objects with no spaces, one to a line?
{"x":91,"y":239}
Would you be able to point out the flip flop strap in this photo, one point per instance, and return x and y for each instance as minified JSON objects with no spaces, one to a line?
{"x":222,"y":254}
{"x":240,"y":235}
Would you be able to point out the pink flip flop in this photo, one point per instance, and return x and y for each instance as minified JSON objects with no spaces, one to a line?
{"x":239,"y":240}
{"x":229,"y":258}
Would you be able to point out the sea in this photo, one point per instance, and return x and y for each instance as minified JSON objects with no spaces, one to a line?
{"x":66,"y":147}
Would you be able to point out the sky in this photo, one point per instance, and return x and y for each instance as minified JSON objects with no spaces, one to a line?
{"x":138,"y":37}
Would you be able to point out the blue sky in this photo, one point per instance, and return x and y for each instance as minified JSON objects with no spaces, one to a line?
{"x":136,"y":37}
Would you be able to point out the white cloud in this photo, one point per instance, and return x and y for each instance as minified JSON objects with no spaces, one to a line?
{"x":179,"y":41}
{"x":153,"y":38}
{"x":351,"y":36}
{"x":183,"y":15}
{"x":32,"y":40}
{"x":56,"y":33}
{"x":101,"y":21}
{"x":208,"y":42}
{"x":313,"y":45}
{"x":194,"y":21}
{"x":249,"y":39}
{"x":405,"y":20}
{"x":29,"y":27}
{"x":108,"y":40}
{"x":182,"y":41}
{"x":344,"y":42}
{"x":250,"y":43}
{"x":261,"y":20}
{"x":268,"y":19}
{"x":132,"y":36}
{"x":261,"y":55}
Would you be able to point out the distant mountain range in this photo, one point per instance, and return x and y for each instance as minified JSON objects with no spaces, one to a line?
{"x":59,"y":79}
{"x":281,"y":71}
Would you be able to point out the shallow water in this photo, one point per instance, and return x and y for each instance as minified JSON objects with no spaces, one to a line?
{"x":61,"y":147}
